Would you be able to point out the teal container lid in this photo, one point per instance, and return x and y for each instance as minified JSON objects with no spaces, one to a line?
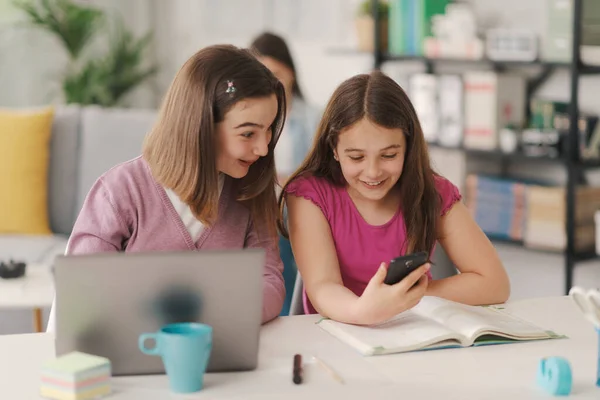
{"x":554,"y":376}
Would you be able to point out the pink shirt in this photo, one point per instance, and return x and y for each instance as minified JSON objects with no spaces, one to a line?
{"x":127,"y":210}
{"x":360,"y":247}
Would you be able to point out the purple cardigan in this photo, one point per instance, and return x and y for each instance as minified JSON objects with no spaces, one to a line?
{"x":127,"y":210}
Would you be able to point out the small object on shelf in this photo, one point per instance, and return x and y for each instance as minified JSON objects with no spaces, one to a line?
{"x":537,"y":143}
{"x":548,"y":129}
{"x":365,"y":26}
{"x":554,"y":376}
{"x":76,"y":376}
{"x":511,"y":45}
{"x":410,"y":24}
{"x":590,"y":55}
{"x":552,"y":118}
{"x":544,"y":114}
{"x":589,"y":136}
{"x":454,"y":35}
{"x":509,"y":139}
{"x":12,"y":269}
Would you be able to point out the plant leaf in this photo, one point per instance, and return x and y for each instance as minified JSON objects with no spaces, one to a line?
{"x":73,"y":24}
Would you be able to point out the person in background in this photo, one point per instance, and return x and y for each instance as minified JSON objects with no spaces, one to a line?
{"x":298,"y":132}
{"x":302,"y":118}
{"x":206,"y":177}
{"x":367,"y":194}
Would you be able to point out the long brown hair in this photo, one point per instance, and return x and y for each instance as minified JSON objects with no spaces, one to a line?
{"x":181,"y":147}
{"x":377,"y":97}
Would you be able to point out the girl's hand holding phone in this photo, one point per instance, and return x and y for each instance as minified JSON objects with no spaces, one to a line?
{"x":380,"y":301}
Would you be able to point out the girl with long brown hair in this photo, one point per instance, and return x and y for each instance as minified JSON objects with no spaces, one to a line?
{"x":365,"y":194}
{"x":206,"y":177}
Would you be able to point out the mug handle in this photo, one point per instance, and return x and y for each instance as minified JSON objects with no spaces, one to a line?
{"x":142,"y":344}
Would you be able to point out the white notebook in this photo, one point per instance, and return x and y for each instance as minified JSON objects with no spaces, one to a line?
{"x":437,"y":323}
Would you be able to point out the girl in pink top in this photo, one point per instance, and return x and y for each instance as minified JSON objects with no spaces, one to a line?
{"x":206,"y":178}
{"x":365,"y":194}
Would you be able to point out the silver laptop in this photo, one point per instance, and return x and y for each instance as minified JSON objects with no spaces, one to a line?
{"x":105,"y":301}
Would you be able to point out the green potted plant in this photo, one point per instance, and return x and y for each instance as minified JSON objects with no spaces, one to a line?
{"x":365,"y":28}
{"x":106,"y":79}
{"x":91,"y":77}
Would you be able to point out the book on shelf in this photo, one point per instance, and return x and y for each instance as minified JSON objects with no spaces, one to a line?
{"x":436,"y":323}
{"x":497,"y":205}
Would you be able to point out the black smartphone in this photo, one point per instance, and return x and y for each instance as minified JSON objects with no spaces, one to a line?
{"x":400,"y":267}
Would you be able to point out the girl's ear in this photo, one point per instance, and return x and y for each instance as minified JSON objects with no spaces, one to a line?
{"x":335,"y":155}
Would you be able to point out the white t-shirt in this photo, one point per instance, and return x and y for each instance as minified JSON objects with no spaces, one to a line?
{"x":193,"y":225}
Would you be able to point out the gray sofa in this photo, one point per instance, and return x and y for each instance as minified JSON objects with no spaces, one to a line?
{"x":86,"y":142}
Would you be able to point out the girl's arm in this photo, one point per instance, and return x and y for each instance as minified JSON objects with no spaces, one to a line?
{"x":99,"y":227}
{"x":274,"y":286}
{"x":315,"y":255}
{"x":482,"y":279}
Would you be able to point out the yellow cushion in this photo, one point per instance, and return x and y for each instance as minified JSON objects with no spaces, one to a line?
{"x":24,"y":155}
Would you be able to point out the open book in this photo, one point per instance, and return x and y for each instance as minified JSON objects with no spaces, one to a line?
{"x":437,"y":323}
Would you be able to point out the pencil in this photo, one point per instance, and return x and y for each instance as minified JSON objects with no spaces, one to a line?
{"x":328,"y":369}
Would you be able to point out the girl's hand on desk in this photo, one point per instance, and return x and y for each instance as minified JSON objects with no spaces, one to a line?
{"x":380,"y":302}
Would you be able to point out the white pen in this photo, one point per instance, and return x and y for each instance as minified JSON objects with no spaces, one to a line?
{"x":328,"y":369}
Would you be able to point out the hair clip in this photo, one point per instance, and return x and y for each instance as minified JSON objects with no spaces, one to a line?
{"x":230,"y":87}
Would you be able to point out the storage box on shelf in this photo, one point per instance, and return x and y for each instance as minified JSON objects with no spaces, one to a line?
{"x":546,"y":218}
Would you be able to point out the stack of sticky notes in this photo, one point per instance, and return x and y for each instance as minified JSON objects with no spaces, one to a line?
{"x":76,"y":376}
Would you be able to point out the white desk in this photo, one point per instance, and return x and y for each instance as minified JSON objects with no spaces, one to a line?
{"x":33,"y":291}
{"x":494,"y":372}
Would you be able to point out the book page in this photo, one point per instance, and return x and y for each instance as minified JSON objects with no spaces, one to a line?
{"x":473,"y":321}
{"x":405,"y":332}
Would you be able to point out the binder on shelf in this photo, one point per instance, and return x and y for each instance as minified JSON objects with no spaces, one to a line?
{"x":492,"y":101}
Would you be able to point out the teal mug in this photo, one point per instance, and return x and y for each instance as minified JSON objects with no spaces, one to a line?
{"x":185,"y":350}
